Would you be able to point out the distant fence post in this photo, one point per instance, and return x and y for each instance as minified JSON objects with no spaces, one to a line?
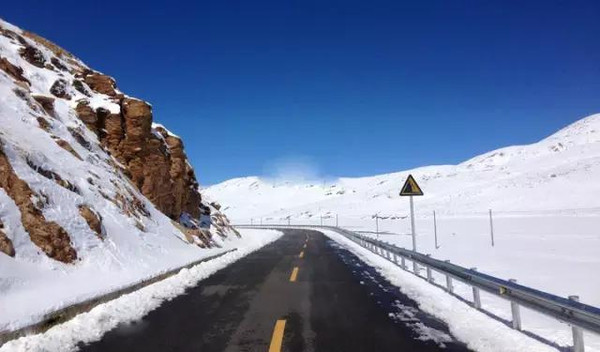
{"x":336,"y":220}
{"x":491,"y":227}
{"x":377,"y":225}
{"x":435,"y":230}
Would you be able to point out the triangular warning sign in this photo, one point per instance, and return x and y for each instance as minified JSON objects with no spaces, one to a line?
{"x":411,"y":188}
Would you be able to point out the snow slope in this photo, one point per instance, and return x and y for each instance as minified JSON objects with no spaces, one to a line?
{"x":544,"y":197}
{"x":557,"y":173}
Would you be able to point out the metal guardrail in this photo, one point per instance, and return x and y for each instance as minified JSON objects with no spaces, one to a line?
{"x":570,"y":311}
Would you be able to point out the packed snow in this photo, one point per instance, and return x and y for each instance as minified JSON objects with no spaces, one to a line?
{"x":90,"y":326}
{"x":543,"y":197}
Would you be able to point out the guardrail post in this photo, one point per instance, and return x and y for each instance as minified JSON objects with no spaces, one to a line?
{"x":476,"y":296}
{"x":415,"y":268}
{"x":516,"y":312}
{"x":403,"y":263}
{"x":395,"y":258}
{"x":429,"y":274}
{"x":449,"y":285}
{"x":578,"y":345}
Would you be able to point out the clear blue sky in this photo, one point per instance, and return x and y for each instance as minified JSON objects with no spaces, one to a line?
{"x":355,"y":87}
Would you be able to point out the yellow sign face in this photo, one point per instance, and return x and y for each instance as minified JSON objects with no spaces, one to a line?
{"x":411,"y":188}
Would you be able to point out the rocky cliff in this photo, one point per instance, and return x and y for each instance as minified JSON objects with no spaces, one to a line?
{"x":76,"y":151}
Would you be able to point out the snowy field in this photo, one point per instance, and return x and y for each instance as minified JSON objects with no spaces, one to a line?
{"x":90,"y":326}
{"x":544,"y":197}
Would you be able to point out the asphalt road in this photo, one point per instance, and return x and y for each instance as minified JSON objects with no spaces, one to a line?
{"x":302,"y":292}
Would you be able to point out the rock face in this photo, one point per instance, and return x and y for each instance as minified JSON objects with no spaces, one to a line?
{"x":86,"y":124}
{"x":6,"y":245}
{"x":93,"y":219}
{"x":47,"y":235}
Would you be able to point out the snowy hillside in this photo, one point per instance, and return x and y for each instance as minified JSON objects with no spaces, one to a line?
{"x":557,"y":173}
{"x":93,"y":196}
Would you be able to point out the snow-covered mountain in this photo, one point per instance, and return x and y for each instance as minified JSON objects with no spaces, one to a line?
{"x":93,"y":194}
{"x":557,"y":173}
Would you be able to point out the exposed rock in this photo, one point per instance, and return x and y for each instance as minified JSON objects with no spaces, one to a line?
{"x":87,"y":115}
{"x":58,"y":51}
{"x":58,"y":64}
{"x":12,"y":70}
{"x":66,"y":146}
{"x":34,"y":56}
{"x":53,"y":176}
{"x":115,"y":133}
{"x":81,"y":87}
{"x":101,"y":83}
{"x":46,"y":102}
{"x":93,"y":219}
{"x":13,"y":35}
{"x":44,"y":124}
{"x":183,"y":179}
{"x":6,"y":245}
{"x":59,"y":89}
{"x":47,"y":235}
{"x":80,"y":138}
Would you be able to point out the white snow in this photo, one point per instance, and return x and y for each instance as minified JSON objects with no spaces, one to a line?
{"x":90,"y":326}
{"x":546,"y":214}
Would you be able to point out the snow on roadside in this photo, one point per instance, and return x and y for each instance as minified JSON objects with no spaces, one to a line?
{"x":90,"y":326}
{"x":474,"y":328}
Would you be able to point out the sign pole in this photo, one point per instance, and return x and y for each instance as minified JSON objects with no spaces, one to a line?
{"x":414,"y":236}
{"x":410,"y":189}
{"x":412,"y":224}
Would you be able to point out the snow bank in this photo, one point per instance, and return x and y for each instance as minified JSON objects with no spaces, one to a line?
{"x":90,"y":326}
{"x":474,"y":328}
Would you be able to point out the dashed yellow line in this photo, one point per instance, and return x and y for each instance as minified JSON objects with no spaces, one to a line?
{"x":277,"y":339}
{"x":294,"y":274}
{"x":301,"y":255}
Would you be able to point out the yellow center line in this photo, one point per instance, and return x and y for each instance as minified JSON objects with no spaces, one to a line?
{"x":294,"y":274}
{"x":301,"y":255}
{"x":277,"y":338}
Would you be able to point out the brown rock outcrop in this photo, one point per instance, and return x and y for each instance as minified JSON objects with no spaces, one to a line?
{"x":66,"y":146}
{"x":46,"y":102}
{"x":59,"y":89}
{"x":101,"y":83}
{"x":47,"y":235}
{"x":6,"y":245}
{"x":87,"y":115}
{"x":12,"y":70}
{"x":34,"y":56}
{"x":93,"y":219}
